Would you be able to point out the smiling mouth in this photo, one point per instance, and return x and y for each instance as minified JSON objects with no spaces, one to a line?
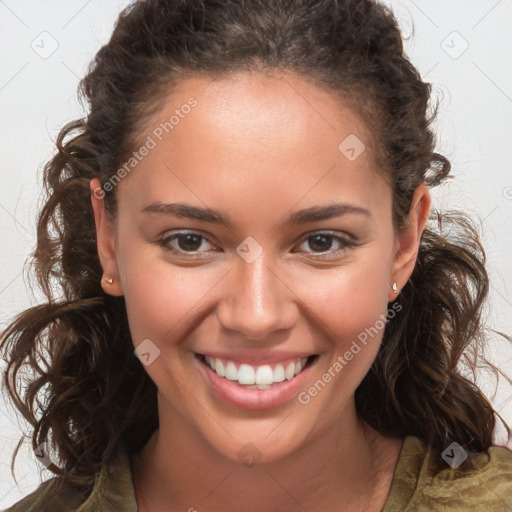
{"x":264,"y":376}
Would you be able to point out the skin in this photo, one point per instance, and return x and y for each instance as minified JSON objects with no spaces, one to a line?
{"x":258,"y":148}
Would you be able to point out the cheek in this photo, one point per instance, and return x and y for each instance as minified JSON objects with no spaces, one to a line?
{"x":348,"y":301}
{"x":350,"y":311}
{"x":159,"y":296}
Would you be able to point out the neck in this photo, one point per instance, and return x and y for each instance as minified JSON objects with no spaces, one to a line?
{"x":347,"y":464}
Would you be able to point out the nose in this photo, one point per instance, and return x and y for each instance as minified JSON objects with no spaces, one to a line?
{"x":257,"y":300}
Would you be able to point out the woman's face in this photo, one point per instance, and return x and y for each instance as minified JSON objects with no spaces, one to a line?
{"x":273,"y":284}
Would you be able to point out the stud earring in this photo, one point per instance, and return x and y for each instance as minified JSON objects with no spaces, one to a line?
{"x":395,"y":287}
{"x":109,"y":280}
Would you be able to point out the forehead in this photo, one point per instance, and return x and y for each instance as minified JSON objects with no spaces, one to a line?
{"x":249,"y":133}
{"x":274,"y":109}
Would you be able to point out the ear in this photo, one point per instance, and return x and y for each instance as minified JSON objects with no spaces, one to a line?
{"x":408,"y":239}
{"x":106,"y":241}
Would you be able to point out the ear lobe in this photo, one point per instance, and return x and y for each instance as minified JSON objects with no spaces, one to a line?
{"x":106,"y":241}
{"x":409,"y":237}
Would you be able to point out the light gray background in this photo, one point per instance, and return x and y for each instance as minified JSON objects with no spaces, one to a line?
{"x":38,"y":95}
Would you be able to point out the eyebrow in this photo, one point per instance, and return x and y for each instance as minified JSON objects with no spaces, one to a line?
{"x":312,"y":214}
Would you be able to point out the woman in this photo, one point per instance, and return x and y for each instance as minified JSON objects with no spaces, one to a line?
{"x":259,"y":366}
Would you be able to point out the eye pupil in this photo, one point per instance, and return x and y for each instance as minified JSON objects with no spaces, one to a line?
{"x":187,"y":238}
{"x":324,"y":246}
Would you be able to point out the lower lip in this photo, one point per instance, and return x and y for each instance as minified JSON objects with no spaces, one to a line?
{"x":255,"y":399}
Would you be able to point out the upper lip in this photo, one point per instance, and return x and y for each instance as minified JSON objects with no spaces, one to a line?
{"x":255,"y":359}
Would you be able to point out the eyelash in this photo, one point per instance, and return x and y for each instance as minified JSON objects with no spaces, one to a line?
{"x":344,"y":242}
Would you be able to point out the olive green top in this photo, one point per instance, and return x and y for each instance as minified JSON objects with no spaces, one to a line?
{"x":479,"y":484}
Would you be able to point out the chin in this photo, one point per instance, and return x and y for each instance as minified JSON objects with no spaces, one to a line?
{"x":256,"y":451}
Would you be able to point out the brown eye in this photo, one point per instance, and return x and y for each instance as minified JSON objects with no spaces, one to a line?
{"x":184,"y":242}
{"x":322,"y":242}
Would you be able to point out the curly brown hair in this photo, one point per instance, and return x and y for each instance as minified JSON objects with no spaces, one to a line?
{"x":87,"y":392}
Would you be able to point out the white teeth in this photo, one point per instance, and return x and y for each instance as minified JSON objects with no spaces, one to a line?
{"x":219,"y":367}
{"x":246,"y":374}
{"x":256,"y":377}
{"x":279,"y":375}
{"x":264,"y":375}
{"x":231,"y":371}
{"x":289,"y":373}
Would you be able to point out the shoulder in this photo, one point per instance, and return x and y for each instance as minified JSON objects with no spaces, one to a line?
{"x":112,"y":490}
{"x":50,"y":496}
{"x":458,"y":482}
